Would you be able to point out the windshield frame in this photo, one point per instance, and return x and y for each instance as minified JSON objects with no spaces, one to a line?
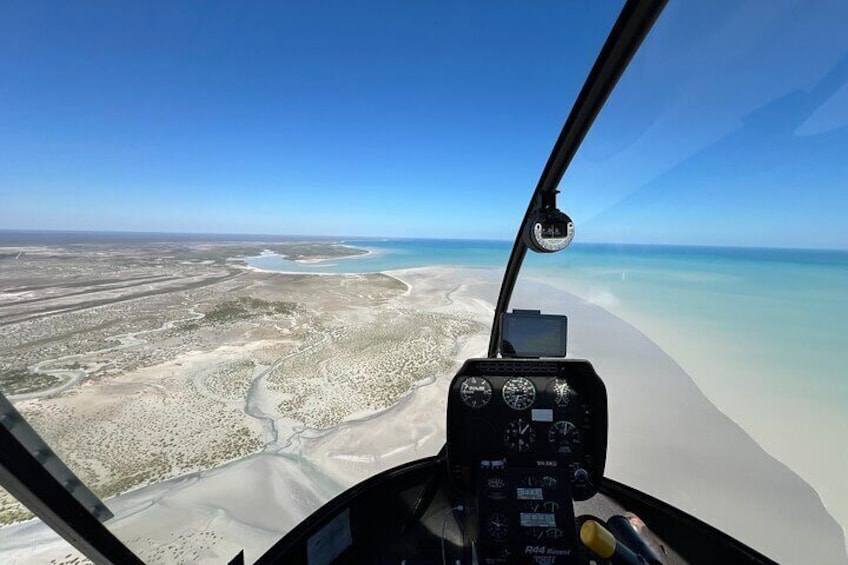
{"x":629,"y":31}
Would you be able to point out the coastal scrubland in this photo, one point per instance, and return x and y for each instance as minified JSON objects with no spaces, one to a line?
{"x":144,"y":363}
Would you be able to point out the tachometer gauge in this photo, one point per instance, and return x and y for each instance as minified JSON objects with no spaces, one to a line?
{"x":475,"y":392}
{"x":563,"y":394}
{"x":564,"y":437}
{"x":519,"y":436}
{"x":498,"y":526}
{"x":519,"y":393}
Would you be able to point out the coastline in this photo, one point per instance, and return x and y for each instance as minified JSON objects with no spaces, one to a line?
{"x":340,"y":257}
{"x":311,"y":465}
{"x":251,"y":268}
{"x":365,"y":252}
{"x":807,"y":454}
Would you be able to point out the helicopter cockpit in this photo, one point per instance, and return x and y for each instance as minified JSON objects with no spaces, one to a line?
{"x":532,"y":428}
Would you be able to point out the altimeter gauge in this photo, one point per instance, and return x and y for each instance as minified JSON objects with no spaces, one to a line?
{"x":476,"y":392}
{"x":519,"y":393}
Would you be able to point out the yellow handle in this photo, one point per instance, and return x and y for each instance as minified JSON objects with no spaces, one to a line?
{"x":597,"y":538}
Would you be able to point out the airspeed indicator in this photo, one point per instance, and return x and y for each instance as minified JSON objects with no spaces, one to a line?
{"x":519,"y":393}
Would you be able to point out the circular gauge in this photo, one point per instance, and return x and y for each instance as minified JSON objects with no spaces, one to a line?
{"x":519,"y":393}
{"x":476,"y":392}
{"x":564,"y":437}
{"x":548,"y":230}
{"x":496,"y":482}
{"x":534,"y":533}
{"x":498,"y":526}
{"x":553,"y":533}
{"x":533,"y":506}
{"x":532,"y":482}
{"x":519,"y":436}
{"x":549,"y":482}
{"x":563,"y":394}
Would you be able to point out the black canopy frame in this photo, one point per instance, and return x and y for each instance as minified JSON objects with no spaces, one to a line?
{"x":636,"y":19}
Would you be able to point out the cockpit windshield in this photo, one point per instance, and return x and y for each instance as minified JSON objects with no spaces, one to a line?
{"x":243,"y":252}
{"x":709,"y":193}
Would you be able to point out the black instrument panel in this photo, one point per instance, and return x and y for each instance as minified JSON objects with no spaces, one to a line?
{"x":511,"y":413}
{"x":523,"y":516}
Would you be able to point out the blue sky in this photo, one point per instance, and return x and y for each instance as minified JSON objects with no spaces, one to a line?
{"x":418,"y":119}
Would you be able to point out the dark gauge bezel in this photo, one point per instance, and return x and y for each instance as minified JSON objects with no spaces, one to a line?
{"x":554,"y":438}
{"x":533,"y":482}
{"x":535,"y":533}
{"x":466,"y":401}
{"x":554,"y":534}
{"x":503,"y":520}
{"x":531,"y":436}
{"x":515,"y":380}
{"x":495,"y":483}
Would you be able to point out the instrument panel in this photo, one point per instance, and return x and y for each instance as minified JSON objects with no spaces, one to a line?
{"x":524,"y":512}
{"x":531,"y":414}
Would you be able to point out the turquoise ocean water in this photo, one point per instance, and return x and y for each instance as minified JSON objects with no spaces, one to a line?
{"x":774,"y":312}
{"x":771,"y":303}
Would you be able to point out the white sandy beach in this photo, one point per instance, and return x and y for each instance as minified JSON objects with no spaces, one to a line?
{"x":665,"y":438}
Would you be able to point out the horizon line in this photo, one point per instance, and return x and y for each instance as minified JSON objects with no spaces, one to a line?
{"x":342,"y":238}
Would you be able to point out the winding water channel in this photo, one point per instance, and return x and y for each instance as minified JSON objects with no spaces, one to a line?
{"x":74,"y":376}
